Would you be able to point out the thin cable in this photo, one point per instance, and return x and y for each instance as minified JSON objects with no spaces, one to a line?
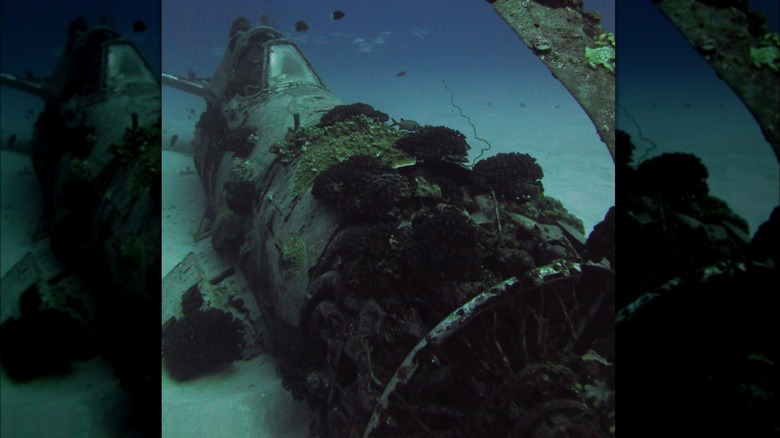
{"x":468,"y":119}
{"x":639,"y":130}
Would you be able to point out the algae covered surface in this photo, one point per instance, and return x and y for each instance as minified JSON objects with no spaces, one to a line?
{"x":144,"y":146}
{"x":320,"y":148}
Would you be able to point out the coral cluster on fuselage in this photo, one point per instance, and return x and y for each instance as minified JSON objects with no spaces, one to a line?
{"x":201,"y":342}
{"x":435,"y":144}
{"x":419,"y":235}
{"x":362,"y":186}
{"x":341,"y":113}
{"x":513,"y":175}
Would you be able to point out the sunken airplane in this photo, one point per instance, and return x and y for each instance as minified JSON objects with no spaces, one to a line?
{"x":401,"y":292}
{"x":92,"y":279}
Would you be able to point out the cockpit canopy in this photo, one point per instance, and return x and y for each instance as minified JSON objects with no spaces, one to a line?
{"x":287,"y":65}
{"x":99,"y":59}
{"x":123,"y":65}
{"x":263,"y":60}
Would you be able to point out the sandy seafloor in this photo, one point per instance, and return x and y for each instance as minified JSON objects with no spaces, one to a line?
{"x":244,"y":400}
{"x":513,"y":110}
{"x":510,"y":107}
{"x":516,"y":105}
{"x":681,"y":105}
{"x":248,"y":399}
{"x":577,"y":167}
{"x":714,"y":126}
{"x":86,"y":402}
{"x":540,"y":120}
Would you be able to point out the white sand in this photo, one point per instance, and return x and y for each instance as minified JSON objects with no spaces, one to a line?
{"x":183,"y":205}
{"x":86,"y":402}
{"x":245,"y":400}
{"x":20,"y":209}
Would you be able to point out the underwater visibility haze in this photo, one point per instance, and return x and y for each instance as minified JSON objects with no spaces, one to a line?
{"x":681,"y":105}
{"x":343,"y":238}
{"x":698,"y":195}
{"x":79,"y":224}
{"x":513,"y":101}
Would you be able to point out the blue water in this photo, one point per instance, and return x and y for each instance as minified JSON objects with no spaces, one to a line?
{"x":33,"y":35}
{"x":510,"y":96}
{"x":512,"y":99}
{"x":682,"y":105}
{"x":88,"y":401}
{"x":34,"y":31}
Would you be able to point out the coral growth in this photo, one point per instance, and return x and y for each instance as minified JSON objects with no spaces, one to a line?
{"x":227,"y":232}
{"x":369,"y":264}
{"x":601,"y":242}
{"x":679,"y":181}
{"x":239,"y":195}
{"x":549,"y":210}
{"x":675,"y":176}
{"x":603,"y":54}
{"x":293,"y":260}
{"x":240,"y":187}
{"x":765,"y":56}
{"x":764,"y":244}
{"x":212,"y":120}
{"x":362,"y":187}
{"x":342,"y":113}
{"x":42,"y":342}
{"x":140,"y":148}
{"x":241,"y":141}
{"x":320,"y":148}
{"x":669,"y":213}
{"x":624,"y":149}
{"x":445,"y":242}
{"x":436,"y":240}
{"x":201,"y":342}
{"x":191,"y":301}
{"x":514,"y":176}
{"x":435,"y":144}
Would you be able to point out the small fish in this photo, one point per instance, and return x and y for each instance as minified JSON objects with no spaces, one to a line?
{"x":397,"y":164}
{"x":29,"y":75}
{"x":400,"y":73}
{"x":301,"y":26}
{"x":11,"y":140}
{"x":338,"y":15}
{"x":191,"y":74}
{"x":174,"y":139}
{"x":406,"y":125}
{"x":139,"y":26}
